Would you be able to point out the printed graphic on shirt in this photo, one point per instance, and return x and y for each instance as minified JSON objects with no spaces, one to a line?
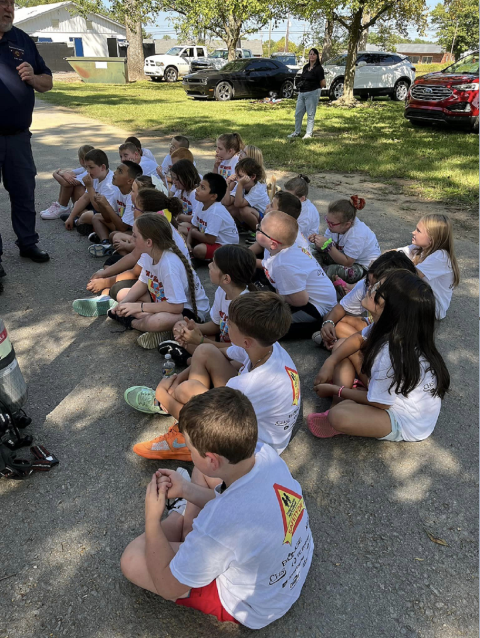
{"x":267,"y":275}
{"x":295,"y":379}
{"x":292,"y":507}
{"x":17,"y":52}
{"x":187,"y":206}
{"x":306,"y":252}
{"x":202,"y":225}
{"x":224,"y":327}
{"x":120,"y":208}
{"x":155,"y":288}
{"x":226,"y":170}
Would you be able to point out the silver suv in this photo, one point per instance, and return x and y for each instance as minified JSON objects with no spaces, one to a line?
{"x":377,"y":73}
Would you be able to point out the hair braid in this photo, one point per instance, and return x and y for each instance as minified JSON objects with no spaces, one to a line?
{"x":189,"y":270}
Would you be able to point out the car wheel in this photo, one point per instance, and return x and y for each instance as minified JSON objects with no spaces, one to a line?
{"x":286,"y":90}
{"x":400,"y":91}
{"x":336,"y":90}
{"x":171,"y":74}
{"x":224,"y":92}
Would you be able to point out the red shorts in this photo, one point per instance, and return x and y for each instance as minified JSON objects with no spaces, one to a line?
{"x":206,"y":600}
{"x":211,"y":248}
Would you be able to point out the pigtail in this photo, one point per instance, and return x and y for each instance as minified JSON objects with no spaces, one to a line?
{"x":239,"y":143}
{"x":175,"y":206}
{"x":357,"y":202}
{"x":189,"y":270}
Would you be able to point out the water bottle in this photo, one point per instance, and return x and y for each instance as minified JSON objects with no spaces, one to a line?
{"x":168,"y":367}
{"x":13,"y":389}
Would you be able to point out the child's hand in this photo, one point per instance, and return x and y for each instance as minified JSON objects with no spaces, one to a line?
{"x":69,"y":224}
{"x":174,"y":481}
{"x":311,"y":238}
{"x":329,"y":335}
{"x":128,"y":309}
{"x":243,"y":181}
{"x":88,"y":181}
{"x":97,"y":285}
{"x":100,"y":274}
{"x":178,"y":329}
{"x":155,"y":499}
{"x":326,"y":390}
{"x":218,"y":161}
{"x":101,"y":199}
{"x":320,"y":240}
{"x":159,"y":172}
{"x":192,"y":333}
{"x":167,"y":382}
{"x":325,"y":374}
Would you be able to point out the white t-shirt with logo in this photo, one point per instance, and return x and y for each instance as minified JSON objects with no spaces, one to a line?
{"x":167,"y":281}
{"x":80,"y":173}
{"x":358,"y":243}
{"x":219,"y":312}
{"x":299,"y":241}
{"x":148,"y":166}
{"x":274,"y":390}
{"x":124,"y":206}
{"x":309,"y":219}
{"x":107,"y":189}
{"x":257,"y":197}
{"x":146,"y":152}
{"x":293,"y":270}
{"x":227,"y":167}
{"x":255,"y":540}
{"x":180,"y":242}
{"x":188,"y":200}
{"x":352,"y":302}
{"x":416,"y":414}
{"x":216,"y":221}
{"x":438,"y":272}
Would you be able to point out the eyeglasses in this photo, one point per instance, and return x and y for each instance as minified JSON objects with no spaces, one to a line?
{"x":259,"y":230}
{"x":135,"y":207}
{"x":331,"y":224}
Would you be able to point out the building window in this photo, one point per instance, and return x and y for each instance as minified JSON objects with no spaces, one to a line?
{"x":427,"y":59}
{"x":55,"y":23}
{"x":414,"y":58}
{"x":89,"y":25}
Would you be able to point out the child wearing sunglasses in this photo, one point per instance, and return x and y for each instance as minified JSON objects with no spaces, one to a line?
{"x":348,"y":246}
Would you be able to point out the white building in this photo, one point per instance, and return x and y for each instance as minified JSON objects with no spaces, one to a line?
{"x":96,"y":36}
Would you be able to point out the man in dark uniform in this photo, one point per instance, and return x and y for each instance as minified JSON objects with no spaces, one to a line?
{"x":22,"y":72}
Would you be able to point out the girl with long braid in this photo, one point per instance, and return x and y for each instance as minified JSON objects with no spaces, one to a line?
{"x":167,"y":289}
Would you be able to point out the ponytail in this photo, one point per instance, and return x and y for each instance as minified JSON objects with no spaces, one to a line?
{"x":298,"y":185}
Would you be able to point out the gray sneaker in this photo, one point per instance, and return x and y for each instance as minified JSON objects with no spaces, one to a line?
{"x":294,"y":135}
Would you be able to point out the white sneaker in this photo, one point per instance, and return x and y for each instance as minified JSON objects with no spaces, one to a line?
{"x":307,"y":136}
{"x":294,"y":135}
{"x":181,"y":504}
{"x":53,"y":212}
{"x":317,"y":338}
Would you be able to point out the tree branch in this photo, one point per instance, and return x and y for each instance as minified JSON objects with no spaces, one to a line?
{"x":383,"y":10}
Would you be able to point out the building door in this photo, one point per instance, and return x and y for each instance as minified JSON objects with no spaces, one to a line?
{"x":78,"y":43}
{"x":112,"y":45}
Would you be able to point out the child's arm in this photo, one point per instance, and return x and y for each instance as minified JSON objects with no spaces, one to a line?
{"x":201,"y":238}
{"x":109,"y":215}
{"x":184,"y":218}
{"x":297,"y":298}
{"x":130,"y":306}
{"x":337,"y":255}
{"x":77,"y":210}
{"x":126,"y":263}
{"x":229,"y":199}
{"x":240,"y":201}
{"x":350,"y":394}
{"x":348,"y":347}
{"x":330,"y":320}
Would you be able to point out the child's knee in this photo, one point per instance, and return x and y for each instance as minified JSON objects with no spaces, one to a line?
{"x":121,"y":294}
{"x":199,"y":251}
{"x":342,"y":416}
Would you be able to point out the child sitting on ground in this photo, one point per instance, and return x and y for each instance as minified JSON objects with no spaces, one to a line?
{"x":256,"y":154}
{"x":348,"y":246}
{"x":115,"y":216}
{"x":228,"y":147}
{"x":185,"y":181}
{"x":71,"y":186}
{"x":97,"y":182}
{"x":144,"y":152}
{"x":255,"y":364}
{"x":246,"y":198}
{"x":433,"y":254}
{"x":347,"y":316}
{"x":295,"y":274}
{"x":309,"y":220}
{"x":178,"y":141}
{"x":221,"y":567}
{"x":232,"y":270}
{"x":123,"y":242}
{"x":396,"y":358}
{"x":129,"y":152}
{"x":212,"y":225}
{"x":167,"y":290}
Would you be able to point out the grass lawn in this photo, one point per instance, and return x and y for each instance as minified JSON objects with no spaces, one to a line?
{"x":374,"y":138}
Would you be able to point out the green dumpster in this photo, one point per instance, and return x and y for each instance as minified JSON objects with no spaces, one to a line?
{"x":100,"y":70}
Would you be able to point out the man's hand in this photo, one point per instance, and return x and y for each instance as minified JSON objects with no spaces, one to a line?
{"x":155,"y":499}
{"x":87,"y":180}
{"x":26,"y":72}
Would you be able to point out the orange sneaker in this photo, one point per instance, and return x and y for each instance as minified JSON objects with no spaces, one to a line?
{"x":167,"y":446}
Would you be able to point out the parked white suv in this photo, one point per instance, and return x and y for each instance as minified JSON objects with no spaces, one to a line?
{"x":377,"y":73}
{"x":175,"y":62}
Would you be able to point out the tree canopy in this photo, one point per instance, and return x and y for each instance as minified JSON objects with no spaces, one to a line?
{"x":457,"y":25}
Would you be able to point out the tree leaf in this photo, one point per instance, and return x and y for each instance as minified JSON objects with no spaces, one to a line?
{"x":434,"y":539}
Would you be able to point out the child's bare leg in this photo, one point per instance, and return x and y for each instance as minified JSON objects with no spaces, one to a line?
{"x":100,"y":227}
{"x":210,"y":365}
{"x":360,"y":420}
{"x":192,"y":511}
{"x":158,"y":322}
{"x":174,"y":402}
{"x":78,"y":191}
{"x":65,"y":194}
{"x":200,"y":251}
{"x":86,"y":217}
{"x":250,"y":217}
{"x":346,"y":327}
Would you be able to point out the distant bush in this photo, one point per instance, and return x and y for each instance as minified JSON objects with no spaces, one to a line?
{"x":421,"y":69}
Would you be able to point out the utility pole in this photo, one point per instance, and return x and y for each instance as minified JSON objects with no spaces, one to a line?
{"x":269,"y":38}
{"x":286,"y":33}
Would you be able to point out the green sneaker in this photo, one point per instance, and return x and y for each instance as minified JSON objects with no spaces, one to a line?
{"x":142,"y":399}
{"x":94,"y":306}
{"x":151,"y":340}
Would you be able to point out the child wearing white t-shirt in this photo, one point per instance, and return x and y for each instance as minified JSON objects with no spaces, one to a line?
{"x":98,"y":182}
{"x":258,"y":366}
{"x":405,"y":377}
{"x":348,"y":246}
{"x":128,"y":151}
{"x":185,"y":180}
{"x":71,"y":186}
{"x":212,"y":225}
{"x":168,"y":287}
{"x":231,"y":269}
{"x":349,"y":316}
{"x":433,"y":255}
{"x":244,"y":540}
{"x":295,"y":274}
{"x":177,"y":141}
{"x":228,"y":147}
{"x":309,"y":220}
{"x":144,"y":152}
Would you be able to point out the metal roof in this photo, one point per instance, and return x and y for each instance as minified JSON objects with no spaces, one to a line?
{"x":28,"y":13}
{"x":412,"y":48}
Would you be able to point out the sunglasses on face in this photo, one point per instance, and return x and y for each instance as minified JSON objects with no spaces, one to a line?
{"x":331,"y":224}
{"x":259,"y":230}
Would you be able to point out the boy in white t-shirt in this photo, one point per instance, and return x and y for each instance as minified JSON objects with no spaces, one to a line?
{"x":295,"y":274}
{"x":212,"y":225}
{"x":255,"y":364}
{"x":129,"y":152}
{"x":97,"y":182}
{"x":144,"y":152}
{"x":116,"y":216}
{"x":238,"y":543}
{"x":177,"y":141}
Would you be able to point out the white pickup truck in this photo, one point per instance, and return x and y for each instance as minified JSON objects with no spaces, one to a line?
{"x":175,"y":62}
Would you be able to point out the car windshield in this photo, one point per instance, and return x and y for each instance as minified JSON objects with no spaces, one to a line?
{"x":220,"y":54}
{"x":235,"y":65}
{"x":174,"y":51}
{"x":468,"y":64}
{"x":286,"y":59}
{"x":338,"y":61}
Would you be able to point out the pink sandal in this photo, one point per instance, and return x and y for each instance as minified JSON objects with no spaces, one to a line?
{"x":319,"y":425}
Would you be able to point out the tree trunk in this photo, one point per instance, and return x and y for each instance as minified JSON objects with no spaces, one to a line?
{"x":353,"y":39}
{"x":135,"y":57}
{"x":232,"y":36}
{"x":362,"y":43}
{"x":327,"y":41}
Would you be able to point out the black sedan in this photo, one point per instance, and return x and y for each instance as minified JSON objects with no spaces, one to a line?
{"x":260,"y":77}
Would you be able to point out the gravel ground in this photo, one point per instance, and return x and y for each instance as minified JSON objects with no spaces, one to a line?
{"x":376,"y":573}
